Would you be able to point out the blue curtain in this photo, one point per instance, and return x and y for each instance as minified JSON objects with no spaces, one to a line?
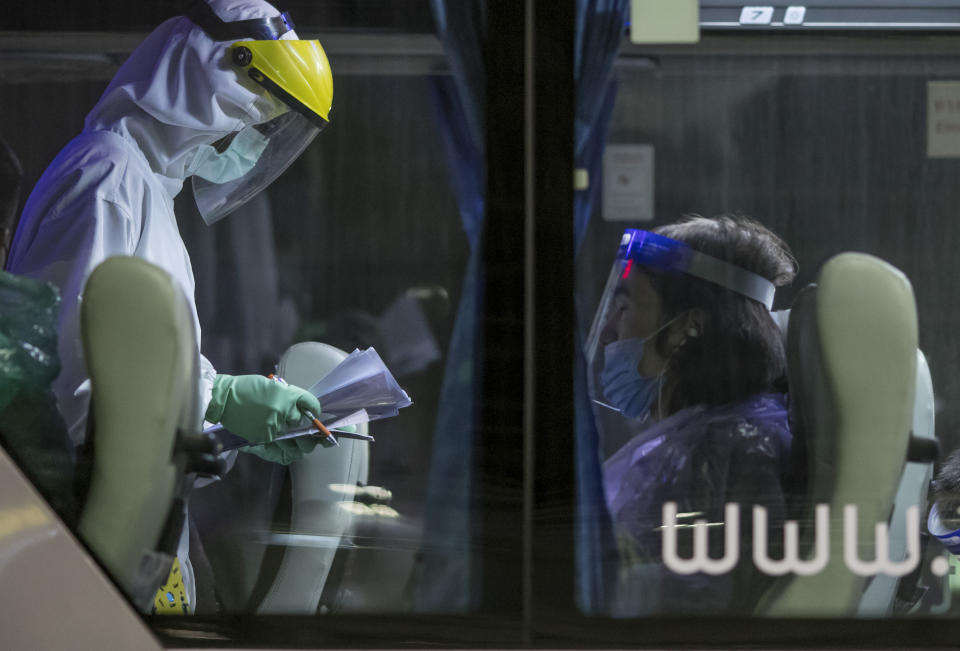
{"x":463,"y":151}
{"x":599,"y":32}
{"x":461,"y":28}
{"x":590,"y":158}
{"x":595,"y":545}
{"x":443,"y":577}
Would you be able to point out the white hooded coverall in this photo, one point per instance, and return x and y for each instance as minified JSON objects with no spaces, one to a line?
{"x":110,"y":190}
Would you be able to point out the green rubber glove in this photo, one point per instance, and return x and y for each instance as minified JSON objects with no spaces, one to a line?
{"x":286,"y":451}
{"x":258,"y":409}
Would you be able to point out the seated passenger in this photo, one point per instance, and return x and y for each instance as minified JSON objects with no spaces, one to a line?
{"x":944,"y":518}
{"x":685,"y":344}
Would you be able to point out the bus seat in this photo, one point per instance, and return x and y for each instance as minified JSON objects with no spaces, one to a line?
{"x":853,"y":370}
{"x":140,"y":349}
{"x":322,"y":484}
{"x":881,"y":594}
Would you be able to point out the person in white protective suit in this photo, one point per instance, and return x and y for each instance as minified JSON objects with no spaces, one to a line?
{"x":226,"y":94}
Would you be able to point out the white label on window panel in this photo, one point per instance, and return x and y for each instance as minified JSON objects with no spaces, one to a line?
{"x":628,"y":183}
{"x":943,"y":119}
{"x":794,"y":15}
{"x":664,"y":21}
{"x":756,"y":15}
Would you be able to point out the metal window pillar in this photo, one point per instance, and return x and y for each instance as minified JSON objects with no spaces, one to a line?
{"x":526,"y":476}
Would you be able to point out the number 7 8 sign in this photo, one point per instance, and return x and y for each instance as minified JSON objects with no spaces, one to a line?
{"x":756,"y":15}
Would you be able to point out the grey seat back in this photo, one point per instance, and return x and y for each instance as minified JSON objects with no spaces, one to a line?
{"x":322,"y":490}
{"x":880,"y":598}
{"x":852,"y":360}
{"x":141,"y":354}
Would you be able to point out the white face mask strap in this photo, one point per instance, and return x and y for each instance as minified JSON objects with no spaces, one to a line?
{"x":661,"y":328}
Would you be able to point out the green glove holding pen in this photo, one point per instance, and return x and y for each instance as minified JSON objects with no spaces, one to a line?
{"x":259,"y":408}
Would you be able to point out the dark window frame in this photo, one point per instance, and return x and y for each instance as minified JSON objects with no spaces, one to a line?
{"x":526,"y":530}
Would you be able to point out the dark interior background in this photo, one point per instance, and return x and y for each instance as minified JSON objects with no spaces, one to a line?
{"x":408,"y":16}
{"x":826,"y":148}
{"x":364,"y":215}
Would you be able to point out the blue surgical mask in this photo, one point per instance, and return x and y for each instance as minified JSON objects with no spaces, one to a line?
{"x":623,"y":387}
{"x":238,"y":159}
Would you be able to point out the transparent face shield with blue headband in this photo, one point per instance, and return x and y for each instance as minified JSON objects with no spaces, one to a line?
{"x":615,"y":381}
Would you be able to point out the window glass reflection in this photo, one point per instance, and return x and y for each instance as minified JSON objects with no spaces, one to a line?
{"x":377,"y":276}
{"x":355,"y":239}
{"x":833,"y":156}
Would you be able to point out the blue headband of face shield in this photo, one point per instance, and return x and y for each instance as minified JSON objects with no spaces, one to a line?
{"x":660,"y":252}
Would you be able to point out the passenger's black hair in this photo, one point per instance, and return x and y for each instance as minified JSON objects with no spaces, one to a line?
{"x":738,"y":351}
{"x":946,"y":491}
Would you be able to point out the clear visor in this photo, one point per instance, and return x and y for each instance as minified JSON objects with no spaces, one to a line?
{"x":596,"y":338}
{"x":285,"y":139}
{"x":600,"y":333}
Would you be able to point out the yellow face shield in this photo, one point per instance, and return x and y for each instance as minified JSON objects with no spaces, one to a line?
{"x":296,"y":76}
{"x":295,"y":72}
